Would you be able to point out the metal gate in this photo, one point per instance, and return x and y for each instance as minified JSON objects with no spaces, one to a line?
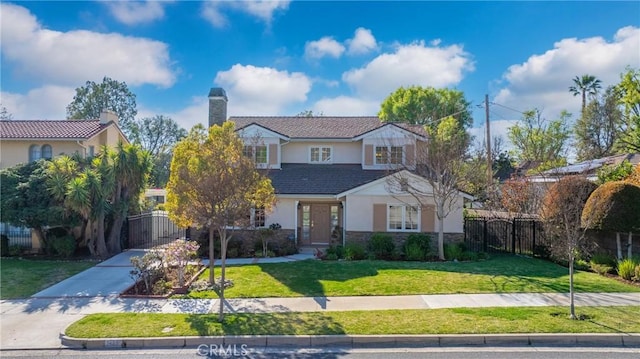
{"x":151,"y":229}
{"x":510,"y":235}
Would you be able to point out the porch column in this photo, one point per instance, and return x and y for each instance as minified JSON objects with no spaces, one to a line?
{"x":344,"y":223}
{"x":295,"y":221}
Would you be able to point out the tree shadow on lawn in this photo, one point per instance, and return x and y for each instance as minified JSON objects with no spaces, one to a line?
{"x":265,"y":324}
{"x":506,"y":274}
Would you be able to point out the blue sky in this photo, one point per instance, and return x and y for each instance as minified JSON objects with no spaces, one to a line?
{"x":338,"y":58}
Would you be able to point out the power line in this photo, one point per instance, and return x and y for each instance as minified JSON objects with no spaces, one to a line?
{"x":508,"y":108}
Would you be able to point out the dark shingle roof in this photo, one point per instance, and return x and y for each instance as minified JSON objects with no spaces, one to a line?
{"x":321,"y":179}
{"x":66,"y":129}
{"x":320,"y":126}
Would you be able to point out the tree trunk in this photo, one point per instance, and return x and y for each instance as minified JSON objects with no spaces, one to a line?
{"x":223,"y":259}
{"x":618,"y":246}
{"x":441,"y":231}
{"x":83,"y":234}
{"x":91,"y":240}
{"x":121,"y":205}
{"x":630,"y":245}
{"x":212,"y":276}
{"x":41,"y":239}
{"x":572,"y":308}
{"x":101,"y":245}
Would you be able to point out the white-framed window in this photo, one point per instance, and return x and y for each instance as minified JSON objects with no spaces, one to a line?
{"x":34,"y":153}
{"x":257,"y":153}
{"x":320,"y":154}
{"x":258,"y":217}
{"x":389,"y":155}
{"x":402,"y":218}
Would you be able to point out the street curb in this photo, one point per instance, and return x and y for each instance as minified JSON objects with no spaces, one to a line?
{"x":361,"y":341}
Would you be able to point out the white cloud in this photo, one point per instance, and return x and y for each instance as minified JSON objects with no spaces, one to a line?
{"x":362,"y":42}
{"x":413,"y":64}
{"x":326,"y":46}
{"x":264,"y":10}
{"x":346,"y":106}
{"x":262,"y":90}
{"x":51,"y":103}
{"x":71,"y":58}
{"x":543,"y":80}
{"x":136,"y":12}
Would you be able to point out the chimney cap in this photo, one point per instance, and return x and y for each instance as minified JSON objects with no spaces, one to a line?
{"x":217,"y":92}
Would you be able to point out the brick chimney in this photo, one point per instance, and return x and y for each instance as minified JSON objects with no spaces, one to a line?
{"x":217,"y":106}
{"x":107,"y":116}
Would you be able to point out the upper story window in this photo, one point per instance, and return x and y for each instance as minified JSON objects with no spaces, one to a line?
{"x":402,"y":218}
{"x":389,"y":155}
{"x":34,"y":153}
{"x":256,"y":153}
{"x":319,"y":154}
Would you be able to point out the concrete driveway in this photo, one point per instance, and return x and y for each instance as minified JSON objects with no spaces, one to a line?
{"x":108,"y":278}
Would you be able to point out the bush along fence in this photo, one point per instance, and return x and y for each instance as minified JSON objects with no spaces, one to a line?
{"x":505,"y":235}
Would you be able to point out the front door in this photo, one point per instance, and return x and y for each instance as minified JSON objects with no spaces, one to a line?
{"x":320,"y":223}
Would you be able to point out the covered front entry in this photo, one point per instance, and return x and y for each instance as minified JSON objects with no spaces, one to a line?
{"x":319,"y":223}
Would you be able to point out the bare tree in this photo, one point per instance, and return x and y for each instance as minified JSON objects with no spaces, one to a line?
{"x":566,"y":233}
{"x":440,"y":162}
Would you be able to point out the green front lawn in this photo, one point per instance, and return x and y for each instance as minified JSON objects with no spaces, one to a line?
{"x":21,"y":278}
{"x":500,"y":274}
{"x":434,"y":321}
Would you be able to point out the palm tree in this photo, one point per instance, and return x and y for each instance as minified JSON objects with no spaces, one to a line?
{"x":131,"y":166}
{"x":587,"y":84}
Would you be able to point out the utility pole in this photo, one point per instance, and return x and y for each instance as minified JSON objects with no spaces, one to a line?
{"x":488,"y":140}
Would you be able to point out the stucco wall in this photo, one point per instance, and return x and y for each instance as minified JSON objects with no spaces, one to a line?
{"x":342,"y":152}
{"x":15,"y":152}
{"x":283,"y":213}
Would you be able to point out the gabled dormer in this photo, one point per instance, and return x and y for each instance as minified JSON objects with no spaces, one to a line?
{"x":389,"y":146}
{"x":262,"y":145}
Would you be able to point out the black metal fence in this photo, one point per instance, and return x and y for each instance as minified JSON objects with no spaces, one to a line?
{"x":18,"y":236}
{"x":509,"y":235}
{"x":151,"y":229}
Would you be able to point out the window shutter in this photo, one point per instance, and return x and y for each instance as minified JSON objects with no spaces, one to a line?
{"x":409,"y":155}
{"x":368,"y":155}
{"x":273,"y":154}
{"x":379,"y":217}
{"x":428,"y":219}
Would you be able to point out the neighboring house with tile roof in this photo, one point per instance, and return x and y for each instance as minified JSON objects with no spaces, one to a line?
{"x":330,"y":175}
{"x":26,"y":141}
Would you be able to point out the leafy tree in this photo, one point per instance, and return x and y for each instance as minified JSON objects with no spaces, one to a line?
{"x":596,"y":131}
{"x":426,"y":106}
{"x":519,"y":195}
{"x":617,"y":172}
{"x":537,"y":140}
{"x":93,"y":98}
{"x":614,"y":206}
{"x":440,"y":162}
{"x":561,"y":215}
{"x":309,"y":113}
{"x":634,"y":177}
{"x":5,"y":115}
{"x":158,"y":135}
{"x":629,"y":92}
{"x":213,"y":185}
{"x":25,"y":201}
{"x":583,"y":86}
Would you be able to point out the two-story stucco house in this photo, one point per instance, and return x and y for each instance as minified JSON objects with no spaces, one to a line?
{"x":26,"y":141}
{"x":330,"y":175}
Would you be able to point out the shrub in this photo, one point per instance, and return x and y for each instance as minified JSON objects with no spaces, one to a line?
{"x":637,"y":273}
{"x":381,"y":246}
{"x":603,"y":258}
{"x":15,"y":250}
{"x":354,"y":252}
{"x":331,"y":257}
{"x":469,"y":256}
{"x":4,"y":245}
{"x":64,"y":246}
{"x":417,"y":247}
{"x":626,"y":268}
{"x":601,"y":269}
{"x":453,"y":251}
{"x":335,"y":252}
{"x":147,"y":269}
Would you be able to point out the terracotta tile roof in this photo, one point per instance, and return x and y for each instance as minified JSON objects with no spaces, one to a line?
{"x":320,"y":126}
{"x":321,"y":179}
{"x":65,"y":129}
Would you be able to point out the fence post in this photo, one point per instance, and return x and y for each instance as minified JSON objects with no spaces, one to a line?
{"x":513,"y":236}
{"x":485,"y":234}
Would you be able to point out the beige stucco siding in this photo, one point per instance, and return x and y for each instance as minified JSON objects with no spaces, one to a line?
{"x":13,"y":152}
{"x":342,"y":152}
{"x":283,"y":213}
